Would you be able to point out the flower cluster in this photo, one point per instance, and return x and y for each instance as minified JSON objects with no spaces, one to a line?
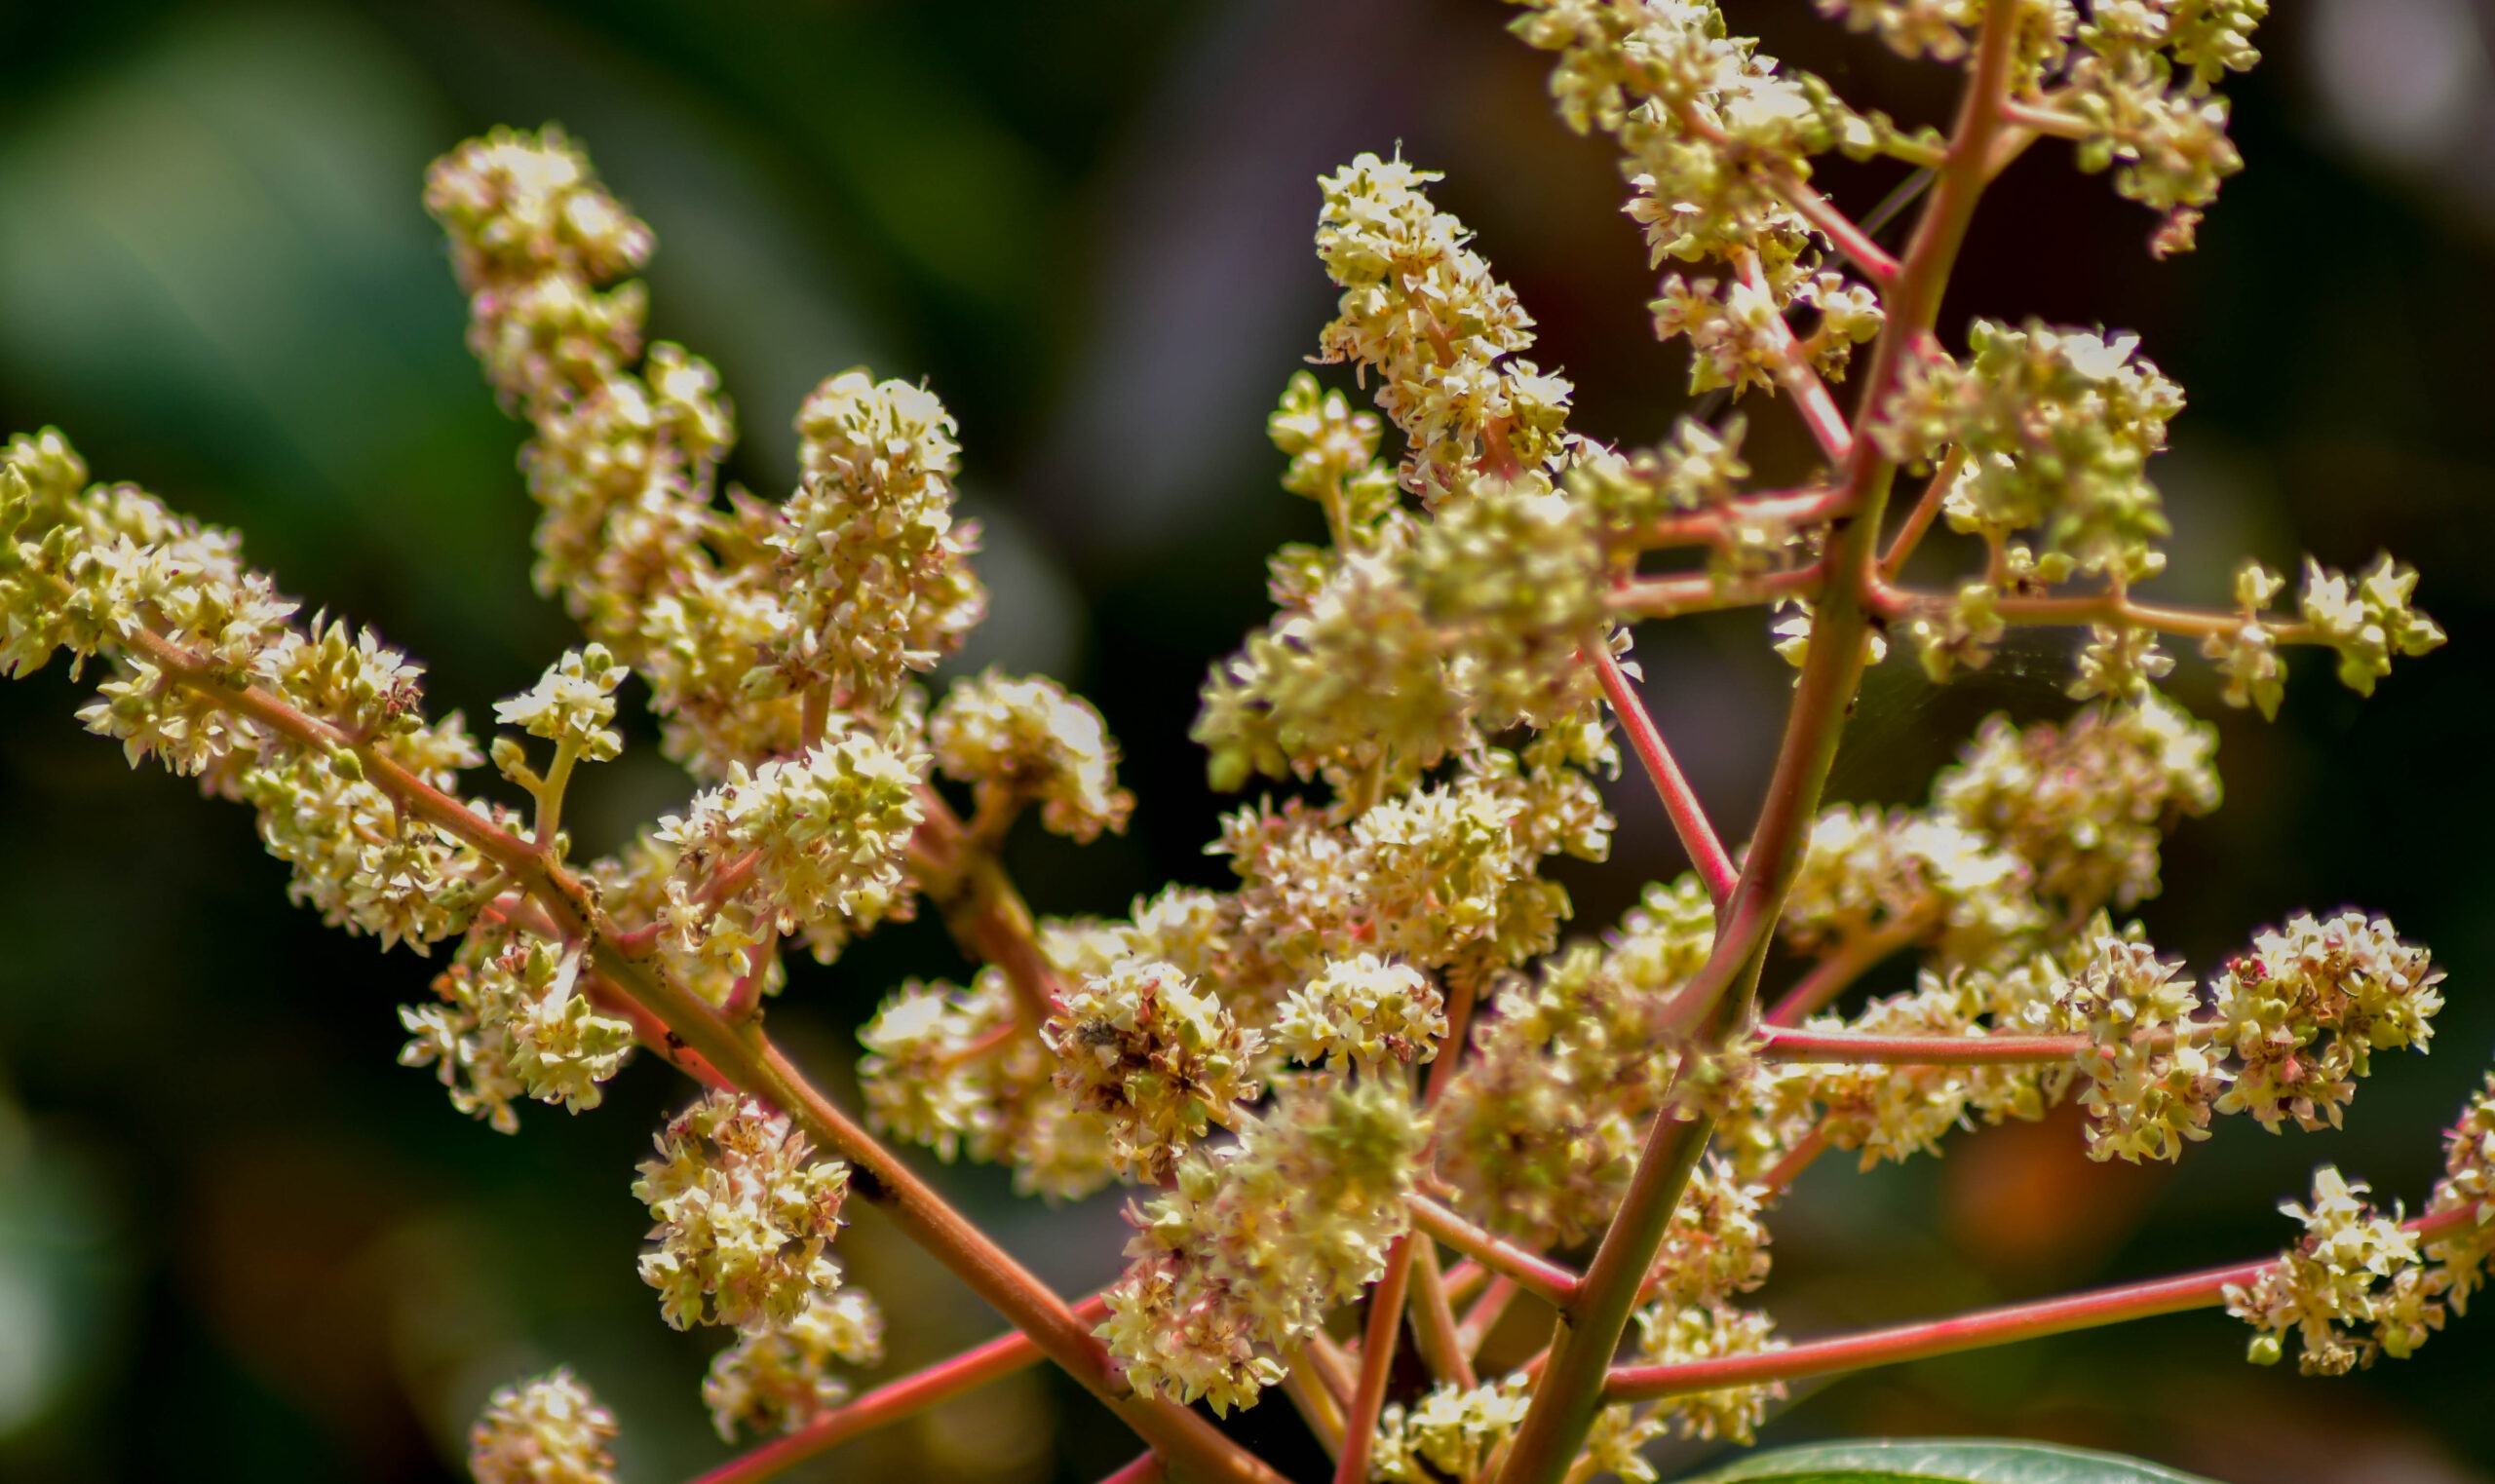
{"x":745,"y":1212}
{"x":2052,"y":429}
{"x":548,"y":1431}
{"x":572,"y":706}
{"x":2368,"y":622}
{"x":2150,"y":1086}
{"x":776,"y":1377}
{"x":818,"y":839}
{"x":1030,"y":739}
{"x":626,"y":447}
{"x":2304,"y":1009}
{"x":1362,"y":1011}
{"x":1394,"y":647}
{"x":877,"y":571}
{"x":1158,"y":1059}
{"x":1540,"y":1127}
{"x":1449,"y":1434}
{"x":1425,"y":311}
{"x":1255,"y":1241}
{"x":2086,"y":804}
{"x":1896,"y":872}
{"x":2140,"y":80}
{"x":511,"y":1022}
{"x":2468,"y":1185}
{"x":951,"y":1069}
{"x":188,"y":630}
{"x":2354,"y":1269}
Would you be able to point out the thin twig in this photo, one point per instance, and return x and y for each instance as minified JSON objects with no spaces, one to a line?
{"x":1857,"y":1049}
{"x":891,"y":1403}
{"x":1537,"y":1275}
{"x":1965,"y":1332}
{"x":1706,"y":852}
{"x":1852,"y":958}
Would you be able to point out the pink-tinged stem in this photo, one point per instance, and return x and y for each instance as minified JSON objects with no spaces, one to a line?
{"x":2113,"y":608}
{"x":1778,"y":1043}
{"x":1828,"y":979}
{"x":1936,"y":493}
{"x":1796,"y":1160}
{"x":1434,"y":1325}
{"x":1487,"y":1312}
{"x":892,"y":1402}
{"x":1146,"y":1470}
{"x":1819,"y":411}
{"x":1710,"y":527}
{"x":1537,"y":1275}
{"x":1974,"y":1331}
{"x":1668,"y":597}
{"x":1851,"y":240}
{"x":1377,"y":1361}
{"x":1681,"y":801}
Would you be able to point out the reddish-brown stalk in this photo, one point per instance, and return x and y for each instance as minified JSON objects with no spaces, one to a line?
{"x":1779,"y":1044}
{"x":1973,"y":1331}
{"x":1144,"y":1469}
{"x":1936,"y":493}
{"x":1377,"y":1360}
{"x":1706,"y":852}
{"x":1818,"y":409}
{"x":892,"y":1401}
{"x":1852,"y":958}
{"x":1709,"y":527}
{"x":1487,"y":1312}
{"x":2109,"y":607}
{"x":1537,"y":1275}
{"x":1571,"y":1391}
{"x":1433,"y":1328}
{"x":1668,"y":597}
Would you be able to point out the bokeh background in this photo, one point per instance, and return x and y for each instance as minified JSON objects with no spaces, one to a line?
{"x":236,"y":1243}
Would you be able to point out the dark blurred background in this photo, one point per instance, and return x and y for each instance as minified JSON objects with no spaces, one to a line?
{"x":236,"y":1243}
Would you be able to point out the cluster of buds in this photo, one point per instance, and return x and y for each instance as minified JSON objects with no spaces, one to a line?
{"x":877,"y":570}
{"x":512,"y":1022}
{"x":819,"y":839}
{"x":549,"y":1430}
{"x":743,"y":1214}
{"x":1160,"y":1060}
{"x":1028,"y":740}
{"x":778,"y":1377}
{"x":1255,"y":1241}
{"x":2355,"y":1270}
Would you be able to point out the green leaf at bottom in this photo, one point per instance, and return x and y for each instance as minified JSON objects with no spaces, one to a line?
{"x":1943,"y":1460}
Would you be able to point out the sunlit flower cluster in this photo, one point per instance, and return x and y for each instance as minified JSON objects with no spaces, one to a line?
{"x":745,"y":1214}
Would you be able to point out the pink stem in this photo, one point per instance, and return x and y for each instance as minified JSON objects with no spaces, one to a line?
{"x":1778,"y":1043}
{"x":890,"y":1403}
{"x":1681,"y":801}
{"x":1965,"y":1332}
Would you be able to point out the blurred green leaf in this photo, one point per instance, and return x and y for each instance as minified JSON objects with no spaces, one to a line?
{"x":1945,"y":1460}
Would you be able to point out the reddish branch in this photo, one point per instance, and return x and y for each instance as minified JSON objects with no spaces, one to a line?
{"x":1974,"y":1331}
{"x":1696,"y":833}
{"x":1778,"y":1043}
{"x":891,"y":1403}
{"x":1535,"y":1274}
